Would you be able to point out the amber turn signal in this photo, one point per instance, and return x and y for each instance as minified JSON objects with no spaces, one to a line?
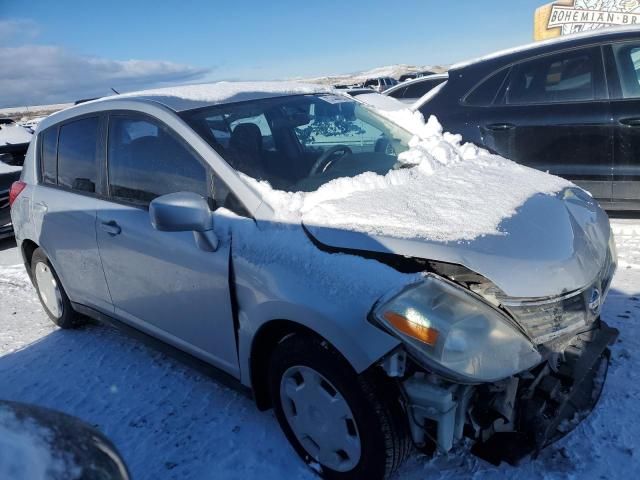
{"x":419,"y":332}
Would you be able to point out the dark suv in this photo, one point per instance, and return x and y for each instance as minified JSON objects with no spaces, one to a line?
{"x":569,"y":106}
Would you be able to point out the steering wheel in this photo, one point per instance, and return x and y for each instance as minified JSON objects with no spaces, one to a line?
{"x":325,"y":158}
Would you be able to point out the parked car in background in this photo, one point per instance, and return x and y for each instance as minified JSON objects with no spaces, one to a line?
{"x":570,"y":106}
{"x":41,"y":444}
{"x":380,"y":84}
{"x":407,"y":76}
{"x":361,"y":321}
{"x":14,"y":142}
{"x":413,"y":90}
{"x":425,"y":73}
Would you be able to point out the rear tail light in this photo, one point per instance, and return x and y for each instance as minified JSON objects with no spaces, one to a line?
{"x":16,"y":189}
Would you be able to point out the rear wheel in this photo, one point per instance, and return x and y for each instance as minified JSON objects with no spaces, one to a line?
{"x":343,"y":422}
{"x":51,"y":293}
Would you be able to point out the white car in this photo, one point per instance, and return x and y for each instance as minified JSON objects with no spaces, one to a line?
{"x":380,"y":84}
{"x":360,"y":271}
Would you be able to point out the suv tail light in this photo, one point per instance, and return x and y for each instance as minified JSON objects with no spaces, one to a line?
{"x":16,"y":189}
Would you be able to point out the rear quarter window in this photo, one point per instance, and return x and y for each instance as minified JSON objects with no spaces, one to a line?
{"x":486,"y":92}
{"x":48,"y":156}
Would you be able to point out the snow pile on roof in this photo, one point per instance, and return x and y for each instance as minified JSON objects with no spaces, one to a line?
{"x":453,"y":192}
{"x":222,"y":92}
{"x":14,"y":135}
{"x":25,"y":453}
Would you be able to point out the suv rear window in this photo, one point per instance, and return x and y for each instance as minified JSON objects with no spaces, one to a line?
{"x":566,"y":77}
{"x":77,"y":165}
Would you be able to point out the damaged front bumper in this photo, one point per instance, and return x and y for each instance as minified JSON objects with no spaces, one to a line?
{"x":516,"y":417}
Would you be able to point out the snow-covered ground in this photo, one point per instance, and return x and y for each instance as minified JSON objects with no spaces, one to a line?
{"x":172,"y":422}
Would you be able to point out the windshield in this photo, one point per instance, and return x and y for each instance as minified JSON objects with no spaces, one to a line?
{"x":299,"y":143}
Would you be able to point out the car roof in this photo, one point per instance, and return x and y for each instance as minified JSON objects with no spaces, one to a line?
{"x":578,"y":38}
{"x":188,"y":97}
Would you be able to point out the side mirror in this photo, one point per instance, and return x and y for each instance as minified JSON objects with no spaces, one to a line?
{"x":185,"y":212}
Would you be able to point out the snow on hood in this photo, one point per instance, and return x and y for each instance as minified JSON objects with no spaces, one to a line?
{"x":14,"y":135}
{"x":453,"y":192}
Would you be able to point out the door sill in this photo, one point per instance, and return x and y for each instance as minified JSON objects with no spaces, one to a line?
{"x":201,"y":366}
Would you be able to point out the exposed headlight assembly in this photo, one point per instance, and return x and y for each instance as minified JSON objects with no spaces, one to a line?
{"x":455,"y":333}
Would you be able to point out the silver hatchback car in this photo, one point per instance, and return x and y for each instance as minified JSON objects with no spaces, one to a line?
{"x":212,"y":218}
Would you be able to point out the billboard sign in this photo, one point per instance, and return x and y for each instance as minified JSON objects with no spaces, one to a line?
{"x":572,"y":16}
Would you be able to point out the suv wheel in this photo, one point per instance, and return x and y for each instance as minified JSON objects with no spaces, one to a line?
{"x":334,"y":418}
{"x":51,"y":293}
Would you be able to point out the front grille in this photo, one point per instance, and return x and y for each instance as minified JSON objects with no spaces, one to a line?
{"x":545,"y":321}
{"x":549,"y":321}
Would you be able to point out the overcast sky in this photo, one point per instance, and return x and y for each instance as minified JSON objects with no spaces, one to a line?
{"x":54,"y":52}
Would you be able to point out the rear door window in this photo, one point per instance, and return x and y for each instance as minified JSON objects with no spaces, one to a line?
{"x":567,"y":77}
{"x":77,"y":160}
{"x":146,"y":160}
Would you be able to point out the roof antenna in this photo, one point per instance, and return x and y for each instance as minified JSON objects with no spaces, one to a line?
{"x":115,"y":91}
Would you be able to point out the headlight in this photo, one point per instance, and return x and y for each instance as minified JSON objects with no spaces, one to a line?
{"x":455,"y":333}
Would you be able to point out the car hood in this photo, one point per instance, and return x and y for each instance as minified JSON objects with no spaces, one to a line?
{"x":552,"y":245}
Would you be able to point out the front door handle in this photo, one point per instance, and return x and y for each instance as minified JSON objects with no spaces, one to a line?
{"x":630,"y":122}
{"x":499,"y":127}
{"x":112,"y":228}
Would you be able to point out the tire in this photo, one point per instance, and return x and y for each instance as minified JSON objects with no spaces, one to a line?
{"x":51,"y":293}
{"x":378,"y":418}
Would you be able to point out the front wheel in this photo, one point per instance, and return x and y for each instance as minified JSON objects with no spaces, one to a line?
{"x":334,"y":418}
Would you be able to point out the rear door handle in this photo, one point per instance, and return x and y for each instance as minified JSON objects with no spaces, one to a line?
{"x":112,"y":228}
{"x":630,"y":122}
{"x":498,"y":127}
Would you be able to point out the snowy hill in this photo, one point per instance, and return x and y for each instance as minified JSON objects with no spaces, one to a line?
{"x":25,"y":115}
